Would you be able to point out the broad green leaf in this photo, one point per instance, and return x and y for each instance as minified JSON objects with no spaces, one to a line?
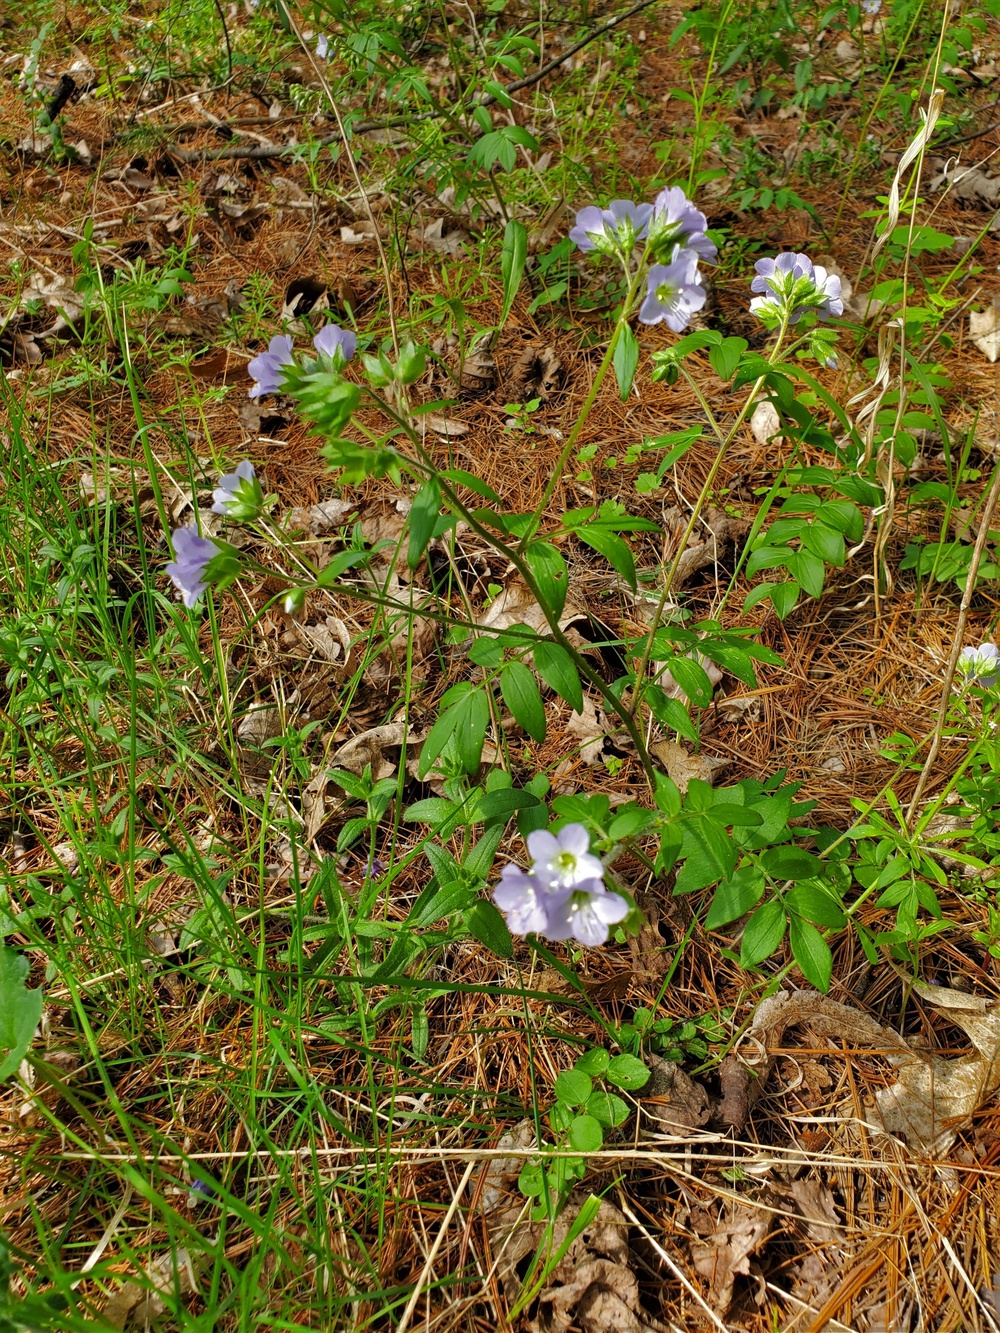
{"x":20,"y":1010}
{"x":783,"y":597}
{"x":812,"y":953}
{"x":502,"y":804}
{"x":433,"y":810}
{"x":548,"y":569}
{"x":486,"y":924}
{"x":616,"y":551}
{"x":630,"y":821}
{"x":520,"y":694}
{"x":512,"y":257}
{"x":573,"y":1087}
{"x":808,"y":571}
{"x":710,"y":855}
{"x":557,"y":668}
{"x":473,"y":717}
{"x":625,"y":1071}
{"x":671,"y":713}
{"x":735,"y":897}
{"x":626,"y":361}
{"x":479,"y":861}
{"x":423,"y":516}
{"x":763,"y":933}
{"x":814,"y":904}
{"x":824,"y":542}
{"x":726,"y":357}
{"x":693,"y":679}
{"x":608,"y":1109}
{"x":472,"y":482}
{"x":593,"y":1062}
{"x":792,"y":863}
{"x":586,"y":1134}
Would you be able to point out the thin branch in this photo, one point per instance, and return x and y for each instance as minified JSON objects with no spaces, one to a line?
{"x":261,"y":152}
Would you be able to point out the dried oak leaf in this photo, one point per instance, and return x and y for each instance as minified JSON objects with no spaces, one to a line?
{"x":538,"y":373}
{"x":592,"y":1288}
{"x":671,"y":1099}
{"x":682,"y":767}
{"x":371,"y":748}
{"x":984,"y":329}
{"x":723,"y":1253}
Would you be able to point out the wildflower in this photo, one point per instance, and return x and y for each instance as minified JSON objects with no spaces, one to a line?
{"x":332,"y":341}
{"x":871,"y":6}
{"x":525,"y":901}
{"x":238,"y":494}
{"x":791,"y":285}
{"x":266,"y":369}
{"x":586,"y":913}
{"x":563,"y":860}
{"x":187,"y":572}
{"x":374,"y":868}
{"x":674,"y":292}
{"x":322,"y":46}
{"x":613,"y":230}
{"x":980,"y":666}
{"x":677,"y":223}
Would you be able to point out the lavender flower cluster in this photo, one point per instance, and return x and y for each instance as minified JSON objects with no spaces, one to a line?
{"x":791,"y":285}
{"x":563,"y":895}
{"x":332,"y":342}
{"x":674,"y":232}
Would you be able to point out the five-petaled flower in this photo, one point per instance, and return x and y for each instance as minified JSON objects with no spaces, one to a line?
{"x":238,"y":494}
{"x":673,"y":292}
{"x":563,"y":896}
{"x":335,"y":342}
{"x":612,"y":230}
{"x":267,"y":368}
{"x":980,"y":666}
{"x":187,"y":572}
{"x":871,"y":6}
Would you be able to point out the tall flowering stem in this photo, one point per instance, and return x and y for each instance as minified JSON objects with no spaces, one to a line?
{"x":706,"y":491}
{"x":623,"y":318}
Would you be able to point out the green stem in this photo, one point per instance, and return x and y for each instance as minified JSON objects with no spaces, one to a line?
{"x":595,"y":388}
{"x":706,"y":490}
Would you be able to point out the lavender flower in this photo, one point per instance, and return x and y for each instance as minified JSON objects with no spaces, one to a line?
{"x":374,"y":868}
{"x":586,"y":913}
{"x":677,"y":223}
{"x":563,"y":860}
{"x":332,"y":339}
{"x":187,"y":572}
{"x":871,"y":6}
{"x":613,"y":230}
{"x":525,"y":901}
{"x":674,"y":292}
{"x":266,"y":369}
{"x":322,"y":46}
{"x":238,"y":494}
{"x":980,"y":666}
{"x":792,"y":285}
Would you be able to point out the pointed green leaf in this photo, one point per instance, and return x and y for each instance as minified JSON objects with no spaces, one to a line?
{"x":812,"y":953}
{"x":557,"y":668}
{"x":550,"y":574}
{"x":512,"y":257}
{"x":20,"y":1011}
{"x":423,"y":516}
{"x":520,"y":694}
{"x":626,"y":360}
{"x":616,"y":551}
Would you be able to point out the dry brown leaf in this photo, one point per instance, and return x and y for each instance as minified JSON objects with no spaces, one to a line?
{"x":499,"y":1185}
{"x":724,"y":1253}
{"x":590,"y":728}
{"x":538,"y":372}
{"x":672,"y":1100}
{"x":330,"y":641}
{"x":137,"y":1306}
{"x":765,"y":424}
{"x":682,"y":767}
{"x":370,"y":749}
{"x":970,"y":184}
{"x":592,"y":1288}
{"x":984,"y":330}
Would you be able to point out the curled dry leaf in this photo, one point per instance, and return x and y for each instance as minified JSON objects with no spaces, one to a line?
{"x":969,"y":184}
{"x":765,"y":424}
{"x":724,"y":1249}
{"x":592,"y":1287}
{"x":705,"y":547}
{"x":370,"y":748}
{"x":672,"y":1101}
{"x":683,"y":767}
{"x":500,"y":1183}
{"x":538,"y":372}
{"x":590,"y":728}
{"x":330,"y":641}
{"x":933,"y":1097}
{"x":984,"y":330}
{"x":135,"y":1306}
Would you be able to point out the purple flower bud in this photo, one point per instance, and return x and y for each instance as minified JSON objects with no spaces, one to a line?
{"x":613,"y":229}
{"x":322,"y":46}
{"x":230,"y":498}
{"x":374,"y":868}
{"x":187,"y":572}
{"x":674,"y":292}
{"x":980,"y":666}
{"x":266,"y":368}
{"x":676,"y":222}
{"x":333,"y":339}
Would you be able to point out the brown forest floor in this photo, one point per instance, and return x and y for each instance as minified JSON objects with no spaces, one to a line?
{"x":855,"y":1233}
